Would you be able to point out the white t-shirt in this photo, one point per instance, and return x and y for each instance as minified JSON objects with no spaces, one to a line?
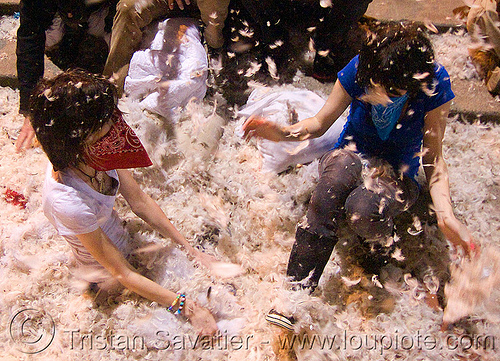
{"x":73,"y":207}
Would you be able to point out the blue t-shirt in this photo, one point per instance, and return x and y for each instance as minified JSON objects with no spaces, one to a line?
{"x":404,"y":143}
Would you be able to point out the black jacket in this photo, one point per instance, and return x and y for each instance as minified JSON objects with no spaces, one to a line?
{"x":36,"y":16}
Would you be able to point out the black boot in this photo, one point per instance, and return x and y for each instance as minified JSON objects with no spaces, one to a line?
{"x":310,"y":252}
{"x":325,"y":68}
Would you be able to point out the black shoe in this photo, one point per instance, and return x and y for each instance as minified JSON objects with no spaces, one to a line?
{"x":325,"y":69}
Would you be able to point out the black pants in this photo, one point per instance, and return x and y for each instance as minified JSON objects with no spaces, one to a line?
{"x":369,"y":207}
{"x":338,"y":20}
{"x":335,"y":42}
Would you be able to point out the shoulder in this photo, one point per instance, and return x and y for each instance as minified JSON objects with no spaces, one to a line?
{"x":70,"y":211}
{"x":441,"y":76}
{"x":440,"y":91}
{"x":65,"y":201}
{"x":347,"y":77}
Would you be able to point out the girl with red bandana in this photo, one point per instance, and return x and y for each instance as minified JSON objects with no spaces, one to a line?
{"x":90,"y":146}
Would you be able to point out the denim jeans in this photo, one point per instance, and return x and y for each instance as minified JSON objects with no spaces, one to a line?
{"x":369,"y":208}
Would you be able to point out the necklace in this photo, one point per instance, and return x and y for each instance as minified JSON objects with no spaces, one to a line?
{"x":98,"y":178}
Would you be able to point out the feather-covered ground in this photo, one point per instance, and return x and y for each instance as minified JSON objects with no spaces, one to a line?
{"x":216,"y":195}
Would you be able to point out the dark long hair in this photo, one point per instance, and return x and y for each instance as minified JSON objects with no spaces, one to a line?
{"x":397,"y":56}
{"x":66,"y":110}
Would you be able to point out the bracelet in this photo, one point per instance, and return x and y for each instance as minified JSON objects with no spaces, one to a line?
{"x":181,"y":304}
{"x":170,"y":309}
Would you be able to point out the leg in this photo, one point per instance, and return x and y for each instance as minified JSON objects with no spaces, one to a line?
{"x":340,"y":172}
{"x":331,"y":35}
{"x":131,"y":16}
{"x":482,"y":24}
{"x":370,"y":212}
{"x":213,"y":15}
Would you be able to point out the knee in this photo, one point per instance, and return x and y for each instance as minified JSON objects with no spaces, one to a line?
{"x":126,"y":9}
{"x":130,"y":18}
{"x":213,"y":13}
{"x":367,"y":214}
{"x":341,"y":161}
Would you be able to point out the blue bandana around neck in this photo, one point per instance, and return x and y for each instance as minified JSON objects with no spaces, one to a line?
{"x":385,"y":117}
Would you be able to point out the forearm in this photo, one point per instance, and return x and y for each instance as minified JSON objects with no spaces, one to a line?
{"x":305,"y":129}
{"x":145,"y":287}
{"x":316,"y":126}
{"x":149,"y":211}
{"x":439,"y":189}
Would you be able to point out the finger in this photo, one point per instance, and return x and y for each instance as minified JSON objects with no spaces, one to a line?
{"x":444,"y":326}
{"x":20,"y":142}
{"x":464,"y":245}
{"x":250,"y":135}
{"x":171,"y":4}
{"x":29,"y":140}
{"x":180,"y":4}
{"x":475,"y":248}
{"x":248,"y":123}
{"x":245,"y":131}
{"x":188,"y":2}
{"x":24,"y":141}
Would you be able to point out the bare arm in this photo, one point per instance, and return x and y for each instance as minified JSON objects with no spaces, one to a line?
{"x":106,"y":253}
{"x":148,"y":210}
{"x":313,"y":127}
{"x":436,"y":172}
{"x":26,"y":136}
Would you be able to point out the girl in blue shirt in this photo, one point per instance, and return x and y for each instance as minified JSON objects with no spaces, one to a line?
{"x":399,"y":99}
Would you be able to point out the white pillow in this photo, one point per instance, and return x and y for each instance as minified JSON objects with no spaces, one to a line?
{"x":278,"y":105}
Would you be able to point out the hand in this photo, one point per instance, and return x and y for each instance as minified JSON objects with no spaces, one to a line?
{"x":179,"y":3}
{"x":218,"y":268}
{"x":201,"y":318}
{"x":204,"y":259}
{"x":26,"y":136}
{"x":458,"y":234}
{"x":257,"y":126}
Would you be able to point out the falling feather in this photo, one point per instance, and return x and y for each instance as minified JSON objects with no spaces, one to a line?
{"x":398,"y":254}
{"x":226,"y":270}
{"x":429,"y":25}
{"x":349,"y":283}
{"x":248,"y":33}
{"x":271,"y":66}
{"x":253,"y":69}
{"x":326,"y":3}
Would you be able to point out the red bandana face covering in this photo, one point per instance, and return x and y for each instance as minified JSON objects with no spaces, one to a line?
{"x":120,"y":148}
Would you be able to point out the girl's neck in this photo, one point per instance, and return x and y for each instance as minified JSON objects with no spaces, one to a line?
{"x":85,"y":170}
{"x":98,"y":180}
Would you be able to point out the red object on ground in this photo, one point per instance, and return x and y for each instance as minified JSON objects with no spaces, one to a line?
{"x":15,"y":198}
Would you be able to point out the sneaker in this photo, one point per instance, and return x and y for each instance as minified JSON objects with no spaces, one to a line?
{"x":280,"y":320}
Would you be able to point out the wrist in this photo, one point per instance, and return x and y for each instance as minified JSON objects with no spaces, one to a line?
{"x":295,"y":132}
{"x":191,"y":251}
{"x":444,"y":217}
{"x":177,"y":304}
